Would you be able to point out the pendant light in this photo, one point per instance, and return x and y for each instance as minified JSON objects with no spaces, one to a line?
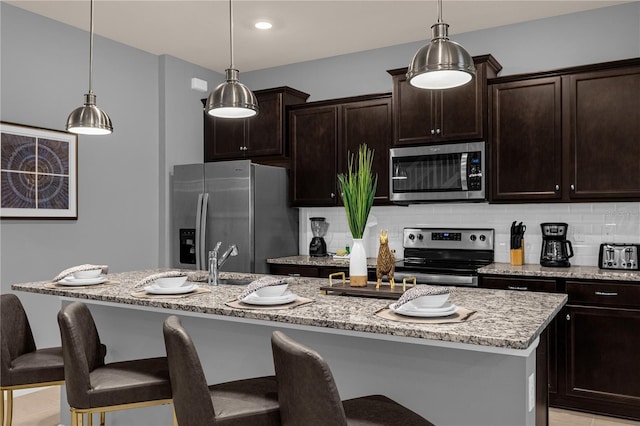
{"x":89,"y":119}
{"x":232,"y":99}
{"x":442,"y":64}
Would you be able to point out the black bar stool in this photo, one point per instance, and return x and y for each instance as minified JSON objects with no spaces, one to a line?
{"x":96,"y":387}
{"x":308,"y":394}
{"x":238,"y":403}
{"x":23,"y":366}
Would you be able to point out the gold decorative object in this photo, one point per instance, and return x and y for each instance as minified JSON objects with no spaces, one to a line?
{"x":404,"y":282}
{"x":386,"y":264}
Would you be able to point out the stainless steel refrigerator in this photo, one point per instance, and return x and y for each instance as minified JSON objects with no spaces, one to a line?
{"x":235,"y":202}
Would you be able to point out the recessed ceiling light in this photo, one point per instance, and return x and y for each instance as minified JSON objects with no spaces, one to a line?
{"x":263,"y":25}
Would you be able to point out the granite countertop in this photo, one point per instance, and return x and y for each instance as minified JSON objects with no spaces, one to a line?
{"x":528,"y":270}
{"x":575,"y":272}
{"x":506,"y":319}
{"x":304,"y":260}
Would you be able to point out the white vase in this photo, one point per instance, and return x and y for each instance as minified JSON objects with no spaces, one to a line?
{"x":358,"y":264}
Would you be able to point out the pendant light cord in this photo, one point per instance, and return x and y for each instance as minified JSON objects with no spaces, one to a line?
{"x":91,"y":50}
{"x":439,"y":11}
{"x":231,"y":33}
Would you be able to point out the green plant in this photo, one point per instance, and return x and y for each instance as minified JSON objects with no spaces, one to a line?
{"x":358,"y":189}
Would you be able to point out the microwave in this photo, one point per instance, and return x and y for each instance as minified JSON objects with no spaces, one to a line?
{"x":448,"y":172}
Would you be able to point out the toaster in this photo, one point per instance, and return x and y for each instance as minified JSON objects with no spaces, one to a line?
{"x":619,"y":256}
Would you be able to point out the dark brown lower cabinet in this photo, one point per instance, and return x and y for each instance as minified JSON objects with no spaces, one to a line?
{"x":601,"y":350}
{"x":313,"y":271}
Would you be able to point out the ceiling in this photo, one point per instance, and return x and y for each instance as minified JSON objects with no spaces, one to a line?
{"x":198,"y":31}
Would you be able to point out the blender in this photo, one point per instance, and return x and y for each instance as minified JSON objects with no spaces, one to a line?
{"x":318,"y":246}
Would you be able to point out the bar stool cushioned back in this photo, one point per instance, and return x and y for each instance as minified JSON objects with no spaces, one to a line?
{"x":251,"y":401}
{"x":23,"y":365}
{"x":309,"y":396}
{"x":95,"y":386}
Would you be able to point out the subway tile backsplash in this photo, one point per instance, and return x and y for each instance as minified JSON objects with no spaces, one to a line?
{"x":590,"y":224}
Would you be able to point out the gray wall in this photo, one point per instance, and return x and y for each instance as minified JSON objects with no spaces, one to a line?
{"x":581,"y":38}
{"x":124,"y":178}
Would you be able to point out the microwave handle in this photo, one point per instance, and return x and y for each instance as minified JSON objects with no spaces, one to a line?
{"x":463,"y":171}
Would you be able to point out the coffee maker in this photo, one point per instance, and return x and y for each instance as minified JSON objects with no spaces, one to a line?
{"x":556,"y":249}
{"x":318,"y":247}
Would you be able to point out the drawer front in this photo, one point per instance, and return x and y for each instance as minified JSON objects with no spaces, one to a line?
{"x":511,"y":283}
{"x":604,"y":293}
{"x":294,"y":270}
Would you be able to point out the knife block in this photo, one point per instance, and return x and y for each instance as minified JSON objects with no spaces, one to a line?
{"x":517,"y":255}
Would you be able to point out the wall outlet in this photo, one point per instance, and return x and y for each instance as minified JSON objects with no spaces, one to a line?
{"x":609,"y":230}
{"x":532,"y":391}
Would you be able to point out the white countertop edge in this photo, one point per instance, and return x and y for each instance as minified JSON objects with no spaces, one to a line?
{"x":410,"y":340}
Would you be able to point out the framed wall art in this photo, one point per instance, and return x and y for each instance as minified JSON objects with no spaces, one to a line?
{"x":39,"y":173}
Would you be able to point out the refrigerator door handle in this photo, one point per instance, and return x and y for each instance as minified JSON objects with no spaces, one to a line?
{"x":198,"y":230}
{"x":203,"y":231}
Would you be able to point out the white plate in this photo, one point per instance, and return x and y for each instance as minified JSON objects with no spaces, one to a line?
{"x":254,"y":299}
{"x":424,"y":312}
{"x":411,"y":307}
{"x":69,"y":280}
{"x":155,"y":289}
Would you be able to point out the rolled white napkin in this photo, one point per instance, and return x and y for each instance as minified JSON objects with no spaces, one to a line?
{"x":167,"y":274}
{"x":260,"y":283}
{"x":419,"y":291}
{"x":84,"y":267}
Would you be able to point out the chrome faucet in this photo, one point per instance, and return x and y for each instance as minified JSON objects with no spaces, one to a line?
{"x":216,"y":263}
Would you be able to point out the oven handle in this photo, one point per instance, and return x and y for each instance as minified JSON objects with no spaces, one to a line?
{"x":439,"y":279}
{"x":463,"y":171}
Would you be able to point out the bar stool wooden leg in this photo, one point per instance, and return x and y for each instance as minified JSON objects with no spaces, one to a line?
{"x":89,"y":418}
{"x":175,"y":418}
{"x":102,"y":418}
{"x":2,"y":410}
{"x":9,"y":407}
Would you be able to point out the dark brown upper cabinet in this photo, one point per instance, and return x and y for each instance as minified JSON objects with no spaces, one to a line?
{"x":322,"y":134}
{"x":567,"y":135}
{"x":262,"y":137}
{"x":526,"y":140}
{"x":431,"y":116}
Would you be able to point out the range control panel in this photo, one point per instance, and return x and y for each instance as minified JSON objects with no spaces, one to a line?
{"x":619,"y":256}
{"x":453,"y":238}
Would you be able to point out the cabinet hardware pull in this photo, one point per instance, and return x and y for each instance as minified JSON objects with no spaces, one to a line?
{"x":606,"y":293}
{"x":510,"y":287}
{"x":568,"y":317}
{"x":557,"y":187}
{"x":333,"y":195}
{"x":573,"y":187}
{"x":433,"y":132}
{"x":294,"y":275}
{"x":437,"y":131}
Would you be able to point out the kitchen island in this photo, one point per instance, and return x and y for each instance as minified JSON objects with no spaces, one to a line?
{"x":480,"y":372}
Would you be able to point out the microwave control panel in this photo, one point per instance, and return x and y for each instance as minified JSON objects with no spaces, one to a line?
{"x":474,"y":171}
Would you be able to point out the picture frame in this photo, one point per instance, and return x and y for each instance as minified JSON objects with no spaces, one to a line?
{"x":38,"y":173}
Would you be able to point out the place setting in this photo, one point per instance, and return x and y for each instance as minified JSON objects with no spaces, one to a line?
{"x":426,"y":304}
{"x":82,"y":276}
{"x":268,"y":293}
{"x":170,"y":284}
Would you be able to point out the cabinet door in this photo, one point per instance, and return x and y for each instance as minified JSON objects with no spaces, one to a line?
{"x":603,"y":120}
{"x":459,"y":111}
{"x":368,"y":122}
{"x":314,"y":139}
{"x":414,"y":114}
{"x":602,"y":359}
{"x":265,"y":129}
{"x":224,"y":138}
{"x":526,"y":138}
{"x":294,"y":270}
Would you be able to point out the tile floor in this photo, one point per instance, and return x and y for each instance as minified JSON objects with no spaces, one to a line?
{"x":42,"y":409}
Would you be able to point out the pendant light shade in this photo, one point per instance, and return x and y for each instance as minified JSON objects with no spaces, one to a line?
{"x":442,"y":64}
{"x":232,"y":99}
{"x":89,"y":119}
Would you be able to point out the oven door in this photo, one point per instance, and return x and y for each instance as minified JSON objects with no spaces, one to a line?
{"x":437,"y":172}
{"x":470,"y":280}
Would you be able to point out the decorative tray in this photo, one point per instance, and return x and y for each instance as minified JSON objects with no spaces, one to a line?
{"x":384,"y":291}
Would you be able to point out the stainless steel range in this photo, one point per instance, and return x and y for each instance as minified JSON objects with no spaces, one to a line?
{"x":446,"y":256}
